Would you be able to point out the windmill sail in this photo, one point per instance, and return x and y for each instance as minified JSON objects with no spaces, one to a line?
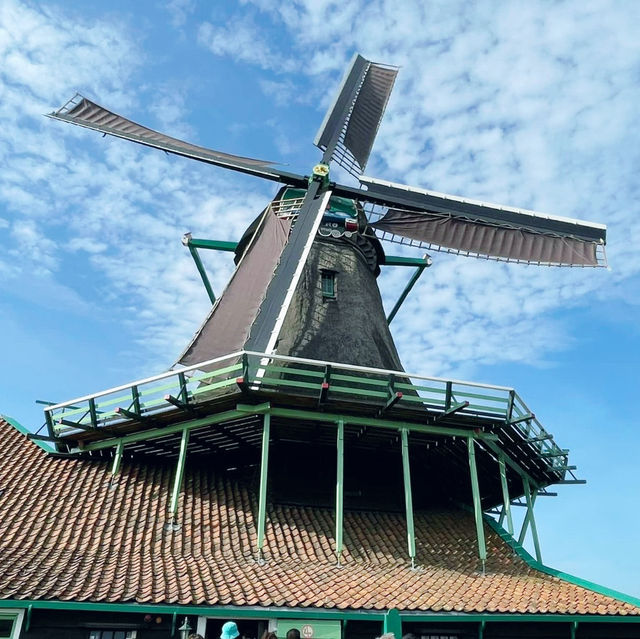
{"x":227,"y":327}
{"x":351,"y":123}
{"x":444,"y":222}
{"x":83,"y":112}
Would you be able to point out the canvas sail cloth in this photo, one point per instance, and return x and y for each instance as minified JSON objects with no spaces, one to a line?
{"x":468,"y":236}
{"x":227,"y":326}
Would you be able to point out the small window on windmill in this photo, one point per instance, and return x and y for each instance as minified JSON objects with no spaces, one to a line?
{"x":328,"y":279}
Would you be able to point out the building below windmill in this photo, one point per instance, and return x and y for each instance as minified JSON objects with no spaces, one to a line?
{"x":273,"y":497}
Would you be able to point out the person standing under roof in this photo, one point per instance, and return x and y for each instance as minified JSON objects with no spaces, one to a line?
{"x":294,"y":633}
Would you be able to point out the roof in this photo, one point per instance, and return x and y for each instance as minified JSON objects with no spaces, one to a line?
{"x":66,"y":534}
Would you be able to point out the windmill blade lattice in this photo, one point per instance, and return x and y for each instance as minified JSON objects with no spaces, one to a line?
{"x":437,"y":221}
{"x":351,"y":123}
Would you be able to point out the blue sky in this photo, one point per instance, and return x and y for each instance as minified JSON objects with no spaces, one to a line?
{"x":531,"y":104}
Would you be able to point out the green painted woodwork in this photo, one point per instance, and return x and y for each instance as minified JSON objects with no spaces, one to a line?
{"x":117,"y":459}
{"x":477,"y":506}
{"x":25,"y":431}
{"x":590,"y":585}
{"x":262,"y":612}
{"x":177,"y":481}
{"x":403,"y":296}
{"x":215,"y":245}
{"x":339,"y":487}
{"x":393,"y":623}
{"x":293,"y":413}
{"x":505,"y":493}
{"x":396,"y":260}
{"x":532,"y":520}
{"x":408,"y":497}
{"x":203,"y":273}
{"x":166,"y":430}
{"x":264,"y":476}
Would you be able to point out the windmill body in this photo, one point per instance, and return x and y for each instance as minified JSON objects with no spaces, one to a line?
{"x":299,"y":450}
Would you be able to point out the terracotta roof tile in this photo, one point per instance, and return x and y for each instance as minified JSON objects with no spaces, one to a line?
{"x":66,"y":533}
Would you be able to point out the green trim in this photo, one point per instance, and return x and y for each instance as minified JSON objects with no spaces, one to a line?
{"x":25,"y":431}
{"x":260,"y":612}
{"x":248,"y":612}
{"x":576,"y":581}
{"x":292,"y":413}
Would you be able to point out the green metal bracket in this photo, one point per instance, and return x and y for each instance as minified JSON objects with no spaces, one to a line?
{"x":407,"y":289}
{"x":177,"y":482}
{"x":512,"y":398}
{"x":339,"y":489}
{"x":408,"y":497}
{"x":27,"y":621}
{"x":448,"y":395}
{"x":481,"y":627}
{"x":505,"y":494}
{"x":174,"y":623}
{"x":477,"y":505}
{"x":184,"y":392}
{"x":264,"y":475}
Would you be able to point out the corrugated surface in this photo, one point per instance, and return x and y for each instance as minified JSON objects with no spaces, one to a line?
{"x":65,"y":534}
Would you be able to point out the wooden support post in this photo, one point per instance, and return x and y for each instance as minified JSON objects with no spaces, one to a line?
{"x":264,"y":474}
{"x":477,"y":505}
{"x":93,"y":413}
{"x":531,"y":518}
{"x":393,"y":623}
{"x":339,"y":489}
{"x":506,"y":500}
{"x":183,"y":396}
{"x":135,"y":400}
{"x":408,"y":497}
{"x":177,"y":481}
{"x":117,"y":459}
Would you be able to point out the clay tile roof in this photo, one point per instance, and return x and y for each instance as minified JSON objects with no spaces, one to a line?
{"x":66,"y":534}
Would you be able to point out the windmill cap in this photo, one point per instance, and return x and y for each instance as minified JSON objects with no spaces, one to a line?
{"x":229,"y":630}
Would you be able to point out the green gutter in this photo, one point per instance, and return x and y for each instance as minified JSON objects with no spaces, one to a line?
{"x":536,"y":565}
{"x":25,"y":431}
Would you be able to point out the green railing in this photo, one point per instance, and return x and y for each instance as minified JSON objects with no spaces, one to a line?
{"x":324,"y":381}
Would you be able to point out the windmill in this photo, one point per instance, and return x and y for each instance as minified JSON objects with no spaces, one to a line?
{"x":295,"y":244}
